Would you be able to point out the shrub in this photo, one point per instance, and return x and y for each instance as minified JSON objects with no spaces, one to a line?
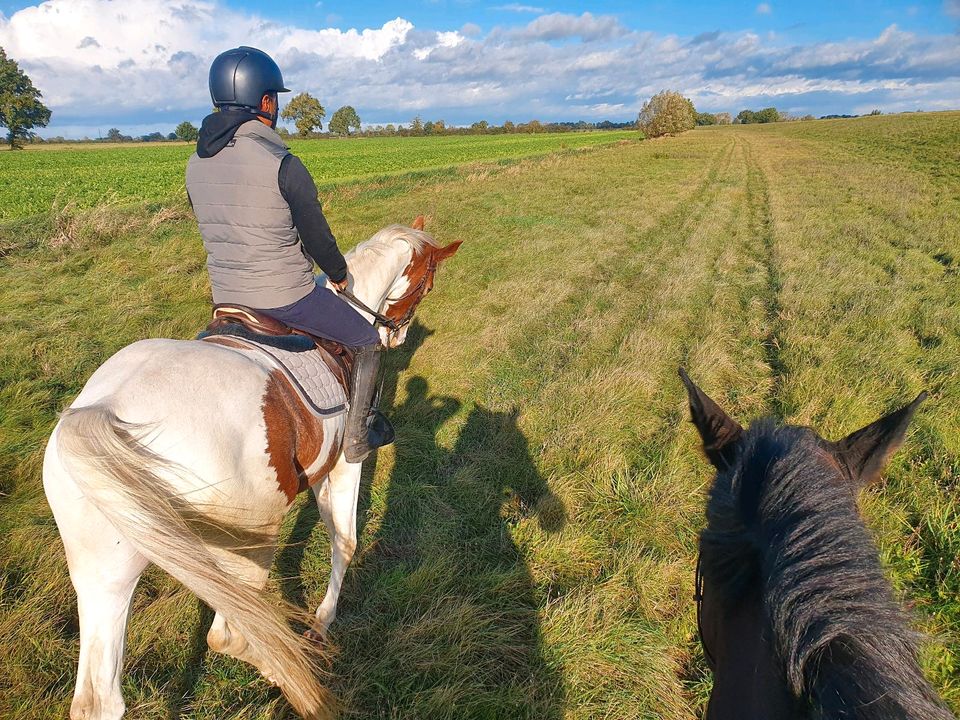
{"x":667,"y":113}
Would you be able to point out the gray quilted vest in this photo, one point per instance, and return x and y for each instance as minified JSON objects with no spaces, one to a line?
{"x":254,"y":255}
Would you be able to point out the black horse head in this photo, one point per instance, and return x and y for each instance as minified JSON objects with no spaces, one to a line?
{"x":797,"y":619}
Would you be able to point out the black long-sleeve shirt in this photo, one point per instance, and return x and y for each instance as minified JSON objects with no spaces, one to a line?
{"x":300,"y":192}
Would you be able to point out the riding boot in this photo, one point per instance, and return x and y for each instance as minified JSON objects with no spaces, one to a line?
{"x":361,"y":438}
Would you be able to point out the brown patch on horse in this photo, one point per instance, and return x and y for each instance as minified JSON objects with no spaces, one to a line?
{"x":418,"y":223}
{"x":447,"y":251}
{"x":294,"y":436}
{"x":420,"y":266}
{"x":420,"y":273}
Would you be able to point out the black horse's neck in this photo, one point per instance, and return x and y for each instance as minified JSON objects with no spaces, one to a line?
{"x":783,"y":527}
{"x":748,"y":683}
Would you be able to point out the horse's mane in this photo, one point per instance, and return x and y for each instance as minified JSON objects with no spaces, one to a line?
{"x":416,"y":239}
{"x":784,"y":517}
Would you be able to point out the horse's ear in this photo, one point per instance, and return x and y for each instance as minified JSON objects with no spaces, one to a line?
{"x":447,"y":251}
{"x":418,"y":223}
{"x":718,"y":430}
{"x":865,"y":453}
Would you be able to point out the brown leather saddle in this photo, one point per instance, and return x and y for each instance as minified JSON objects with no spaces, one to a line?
{"x":258,"y":326}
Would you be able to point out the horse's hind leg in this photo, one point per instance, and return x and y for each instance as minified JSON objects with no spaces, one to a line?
{"x":337,"y":500}
{"x":104,"y":568}
{"x":253,"y":568}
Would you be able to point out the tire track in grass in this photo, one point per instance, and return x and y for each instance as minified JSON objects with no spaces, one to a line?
{"x":645,"y":282}
{"x":646,"y":502}
{"x":761,"y":225}
{"x":697,"y":338}
{"x":547,"y":355}
{"x":590,"y":351}
{"x":729,"y":359}
{"x":618,"y":502}
{"x":720,"y":328}
{"x":530,"y":291}
{"x":652,"y":278}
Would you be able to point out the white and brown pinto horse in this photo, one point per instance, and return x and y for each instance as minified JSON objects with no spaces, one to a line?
{"x":187,"y":454}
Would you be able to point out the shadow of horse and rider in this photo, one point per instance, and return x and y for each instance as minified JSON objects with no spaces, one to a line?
{"x":439,"y":612}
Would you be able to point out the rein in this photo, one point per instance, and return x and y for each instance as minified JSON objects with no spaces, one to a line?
{"x":417,"y":290}
{"x":379,"y":317}
{"x":698,"y":599}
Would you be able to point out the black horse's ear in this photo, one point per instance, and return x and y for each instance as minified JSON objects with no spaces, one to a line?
{"x":865,"y":453}
{"x":718,"y":430}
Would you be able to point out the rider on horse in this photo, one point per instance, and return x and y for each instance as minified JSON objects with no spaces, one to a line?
{"x":263,"y":228}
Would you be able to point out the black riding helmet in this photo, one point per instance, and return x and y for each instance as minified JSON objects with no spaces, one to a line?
{"x":239,"y":78}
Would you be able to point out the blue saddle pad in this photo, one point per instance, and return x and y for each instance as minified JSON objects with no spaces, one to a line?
{"x":290,"y":343}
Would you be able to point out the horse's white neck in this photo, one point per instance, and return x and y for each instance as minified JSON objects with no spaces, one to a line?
{"x":375,"y":273}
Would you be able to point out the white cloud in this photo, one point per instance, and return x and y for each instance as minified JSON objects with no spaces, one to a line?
{"x":558,"y":26}
{"x":514,"y":7}
{"x":97,"y":57}
{"x":764,"y":9}
{"x":368,"y":44}
{"x":443,"y":40}
{"x":952,"y":7}
{"x":143,"y":62}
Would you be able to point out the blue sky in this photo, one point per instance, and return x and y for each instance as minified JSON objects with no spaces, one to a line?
{"x":140,"y":65}
{"x":809,"y":20}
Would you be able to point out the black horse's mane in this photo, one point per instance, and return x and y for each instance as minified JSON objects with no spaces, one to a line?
{"x":783,"y":520}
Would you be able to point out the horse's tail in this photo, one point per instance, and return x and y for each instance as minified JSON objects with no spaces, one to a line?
{"x":121,"y":477}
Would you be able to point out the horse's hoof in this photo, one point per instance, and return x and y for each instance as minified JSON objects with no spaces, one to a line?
{"x":315,"y":635}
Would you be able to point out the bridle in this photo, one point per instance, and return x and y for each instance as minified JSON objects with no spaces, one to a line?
{"x":698,"y":599}
{"x":418,"y":291}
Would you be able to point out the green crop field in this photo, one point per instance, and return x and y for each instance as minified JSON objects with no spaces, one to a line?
{"x":527,"y":546}
{"x":87,"y":175}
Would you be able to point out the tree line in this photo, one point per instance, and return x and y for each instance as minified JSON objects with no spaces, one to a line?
{"x":666,"y":113}
{"x":307,"y":114}
{"x":419,"y":127}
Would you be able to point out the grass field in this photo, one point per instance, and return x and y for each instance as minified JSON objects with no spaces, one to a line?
{"x":86,"y":175}
{"x":527,"y":545}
